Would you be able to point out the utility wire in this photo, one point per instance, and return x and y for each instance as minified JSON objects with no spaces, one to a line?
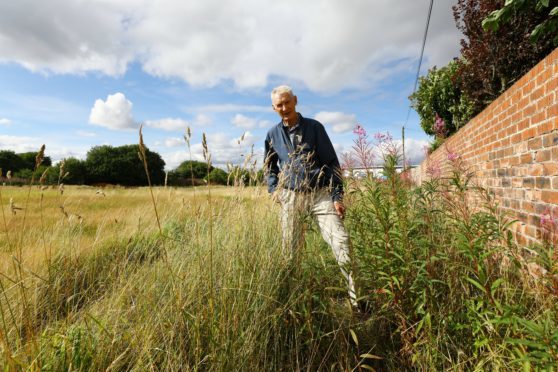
{"x":418,"y":72}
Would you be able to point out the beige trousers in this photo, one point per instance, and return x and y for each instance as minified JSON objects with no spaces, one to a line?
{"x":295,"y":206}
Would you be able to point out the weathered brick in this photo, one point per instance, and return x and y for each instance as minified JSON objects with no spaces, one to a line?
{"x":543,"y":155}
{"x":526,"y":158}
{"x":555,"y":183}
{"x":506,"y":182}
{"x":550,"y":139}
{"x":542,"y":182}
{"x":535,"y":143}
{"x":550,"y":169}
{"x":529,"y":182}
{"x":528,"y":206}
{"x":536,"y":170}
{"x":549,"y":196}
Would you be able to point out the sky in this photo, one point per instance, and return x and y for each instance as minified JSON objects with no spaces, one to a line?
{"x":75,"y":74}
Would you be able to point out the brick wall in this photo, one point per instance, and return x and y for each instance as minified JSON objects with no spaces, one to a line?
{"x":512,"y":146}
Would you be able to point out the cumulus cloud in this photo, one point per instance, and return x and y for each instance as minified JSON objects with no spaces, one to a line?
{"x":174,"y":142}
{"x":169,"y":124}
{"x":223,"y":148}
{"x":339,"y":121}
{"x":229,"y":107}
{"x":205,"y":43}
{"x":415,"y":150}
{"x":66,"y":37}
{"x":114,"y":113}
{"x":4,"y":121}
{"x":245,"y":122}
{"x":19,"y":143}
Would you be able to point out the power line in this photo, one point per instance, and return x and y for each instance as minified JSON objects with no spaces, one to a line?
{"x":418,"y":71}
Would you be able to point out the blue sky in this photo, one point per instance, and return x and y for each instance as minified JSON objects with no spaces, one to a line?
{"x":77,"y":74}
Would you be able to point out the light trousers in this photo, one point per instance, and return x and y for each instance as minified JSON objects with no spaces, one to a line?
{"x":295,"y":207}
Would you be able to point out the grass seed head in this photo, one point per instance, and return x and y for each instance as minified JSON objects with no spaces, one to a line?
{"x":40,"y":156}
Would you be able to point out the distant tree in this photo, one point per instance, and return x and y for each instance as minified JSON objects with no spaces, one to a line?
{"x":10,"y":161}
{"x":491,"y":61}
{"x":187,"y":171}
{"x":28,"y":159}
{"x":75,"y":172}
{"x":122,"y":165}
{"x":218,"y":176}
{"x":189,"y":167}
{"x":439,"y":102}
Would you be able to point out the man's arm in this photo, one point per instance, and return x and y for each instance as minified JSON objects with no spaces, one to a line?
{"x":330,"y":164}
{"x":271,"y":166}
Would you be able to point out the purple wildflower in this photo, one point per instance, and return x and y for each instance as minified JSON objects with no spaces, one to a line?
{"x":433,"y":169}
{"x":359,"y":131}
{"x":453,"y":156}
{"x":439,"y":126}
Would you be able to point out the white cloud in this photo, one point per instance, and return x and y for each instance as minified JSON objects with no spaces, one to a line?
{"x":337,"y":44}
{"x":414,"y":150}
{"x":175,"y":142}
{"x":169,"y":124}
{"x":202,"y":120}
{"x":339,"y":121}
{"x":5,"y":121}
{"x":229,"y":107}
{"x":114,"y":113}
{"x":20,"y":143}
{"x":245,"y":122}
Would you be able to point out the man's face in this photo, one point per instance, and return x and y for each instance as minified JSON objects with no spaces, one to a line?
{"x":285,"y":105}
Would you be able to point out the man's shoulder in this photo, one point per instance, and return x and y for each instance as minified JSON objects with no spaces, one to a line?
{"x":310,"y":123}
{"x":274,"y":129}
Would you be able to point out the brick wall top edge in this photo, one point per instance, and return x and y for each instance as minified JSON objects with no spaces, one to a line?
{"x":549,"y":60}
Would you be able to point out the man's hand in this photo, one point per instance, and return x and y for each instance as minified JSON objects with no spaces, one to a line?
{"x":340,"y":209}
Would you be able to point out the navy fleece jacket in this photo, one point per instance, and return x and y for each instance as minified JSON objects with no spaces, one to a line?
{"x":313,"y":164}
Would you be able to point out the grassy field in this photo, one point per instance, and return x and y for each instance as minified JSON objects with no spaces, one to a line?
{"x":193,"y":279}
{"x":94,"y":285}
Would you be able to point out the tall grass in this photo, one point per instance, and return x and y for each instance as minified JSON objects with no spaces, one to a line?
{"x":443,"y":285}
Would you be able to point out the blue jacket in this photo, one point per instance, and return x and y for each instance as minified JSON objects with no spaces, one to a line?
{"x":313,"y":164}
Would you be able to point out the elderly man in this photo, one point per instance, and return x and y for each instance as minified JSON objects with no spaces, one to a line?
{"x":303,"y":175}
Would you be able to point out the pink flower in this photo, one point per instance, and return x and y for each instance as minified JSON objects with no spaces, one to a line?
{"x":439,"y":126}
{"x":548,"y":222}
{"x":433,"y":169}
{"x":359,"y":131}
{"x":453,"y":156}
{"x":381,"y":137}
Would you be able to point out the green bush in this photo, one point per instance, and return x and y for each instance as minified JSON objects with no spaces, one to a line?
{"x":438,"y":95}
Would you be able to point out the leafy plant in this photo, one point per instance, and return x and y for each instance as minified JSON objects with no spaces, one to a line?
{"x":441,"y":105}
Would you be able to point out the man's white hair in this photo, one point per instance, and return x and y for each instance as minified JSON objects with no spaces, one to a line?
{"x":281,"y":89}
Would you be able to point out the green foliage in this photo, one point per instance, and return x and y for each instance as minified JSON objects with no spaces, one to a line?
{"x":218,"y":176}
{"x":10,"y":161}
{"x":121,"y":165}
{"x":189,"y":172}
{"x":76,"y":169}
{"x":430,"y":267}
{"x":549,"y":26}
{"x":494,"y":58}
{"x":439,"y":94}
{"x":28,"y":159}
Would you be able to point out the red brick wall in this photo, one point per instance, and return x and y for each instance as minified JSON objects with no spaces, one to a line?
{"x":512,"y":146}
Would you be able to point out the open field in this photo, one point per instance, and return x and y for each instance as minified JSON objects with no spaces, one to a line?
{"x":98,"y":287}
{"x":102,"y":280}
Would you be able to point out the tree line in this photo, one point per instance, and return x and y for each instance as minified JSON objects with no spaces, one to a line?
{"x":107,"y":164}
